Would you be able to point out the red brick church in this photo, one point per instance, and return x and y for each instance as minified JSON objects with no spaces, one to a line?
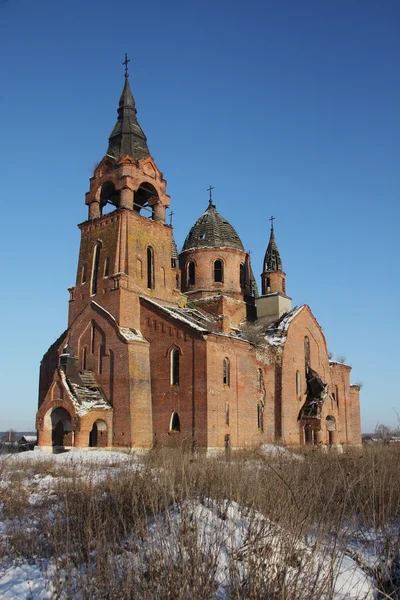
{"x":164,"y":348}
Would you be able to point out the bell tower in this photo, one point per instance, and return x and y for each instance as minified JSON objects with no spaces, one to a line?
{"x":273,"y":300}
{"x":126,"y":252}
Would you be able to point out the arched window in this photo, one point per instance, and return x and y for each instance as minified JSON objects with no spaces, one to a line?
{"x":242,"y":275}
{"x":95,"y":269}
{"x":226,"y":374}
{"x":260,"y":423}
{"x":259,"y":379}
{"x":219,"y":271}
{"x":307,"y":350}
{"x":191,"y":273}
{"x":107,"y":267}
{"x":226,"y":413}
{"x":175,"y":367}
{"x":268,"y":284}
{"x":150,"y":268}
{"x":175,"y":424}
{"x":83,"y":274}
{"x":298,"y":383}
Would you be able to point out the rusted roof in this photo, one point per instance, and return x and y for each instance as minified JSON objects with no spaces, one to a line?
{"x":212,"y":230}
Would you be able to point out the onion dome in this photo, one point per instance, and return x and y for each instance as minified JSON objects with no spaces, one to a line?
{"x":212,"y":230}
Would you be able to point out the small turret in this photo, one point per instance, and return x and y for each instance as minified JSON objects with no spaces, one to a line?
{"x":273,"y":300}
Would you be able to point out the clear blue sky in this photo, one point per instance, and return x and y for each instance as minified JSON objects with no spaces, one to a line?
{"x":288,"y":108}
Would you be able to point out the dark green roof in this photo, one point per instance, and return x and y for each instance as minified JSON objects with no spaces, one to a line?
{"x":127,"y":137}
{"x":272,"y":258}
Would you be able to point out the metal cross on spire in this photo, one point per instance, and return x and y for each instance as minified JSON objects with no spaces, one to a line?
{"x":272,"y":219}
{"x":170,"y":217}
{"x":126,"y":61}
{"x":210,"y":189}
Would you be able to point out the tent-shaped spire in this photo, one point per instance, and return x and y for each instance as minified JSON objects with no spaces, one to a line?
{"x":127,"y":137}
{"x":272,"y":258}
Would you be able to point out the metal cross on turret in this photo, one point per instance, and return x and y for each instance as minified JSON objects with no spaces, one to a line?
{"x":126,"y":61}
{"x":272,"y":219}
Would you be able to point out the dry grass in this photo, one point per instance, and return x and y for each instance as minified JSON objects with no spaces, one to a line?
{"x":118,"y":536}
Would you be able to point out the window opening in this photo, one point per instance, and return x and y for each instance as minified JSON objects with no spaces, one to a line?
{"x":337,"y":394}
{"x":150,"y":268}
{"x":259,"y":378}
{"x":226,"y":413}
{"x":84,"y":352}
{"x":307,"y":350}
{"x":298,"y":383}
{"x":218,"y":271}
{"x":175,"y":367}
{"x":177,"y":282}
{"x":95,"y":269}
{"x":83,"y":274}
{"x":107,"y":267}
{"x":226,"y":373}
{"x":175,"y":424}
{"x":260,"y":424}
{"x":268,"y":284}
{"x":191,"y":273}
{"x":242,"y":275}
{"x":284,"y":286}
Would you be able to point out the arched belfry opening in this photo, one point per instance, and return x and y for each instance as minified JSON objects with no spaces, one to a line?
{"x":109,"y":197}
{"x":144,"y":200}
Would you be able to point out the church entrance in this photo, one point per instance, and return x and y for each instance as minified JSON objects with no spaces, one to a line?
{"x":61,"y":428}
{"x":98,"y":435}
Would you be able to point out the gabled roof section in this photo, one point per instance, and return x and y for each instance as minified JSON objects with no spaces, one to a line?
{"x":212,"y":230}
{"x":194,"y":318}
{"x":276,"y":332}
{"x":127,"y":137}
{"x":86,"y":395}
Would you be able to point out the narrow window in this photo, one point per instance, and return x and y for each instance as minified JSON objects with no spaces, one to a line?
{"x":284,"y":286}
{"x":175,"y":367}
{"x":83,"y":274}
{"x":268,"y":284}
{"x":260,"y":424}
{"x":150,"y":268}
{"x":259,"y":379}
{"x":226,"y":371}
{"x":95,"y":269}
{"x":242,"y":275}
{"x":298,"y":383}
{"x":107,"y":267}
{"x":307,"y":350}
{"x":175,"y":424}
{"x":163,"y":276}
{"x":226,"y":413}
{"x":139,"y":271}
{"x":191,"y":273}
{"x":337,"y":394}
{"x":177,"y":281}
{"x":84,"y":352}
{"x":92,"y":338}
{"x":219,"y":271}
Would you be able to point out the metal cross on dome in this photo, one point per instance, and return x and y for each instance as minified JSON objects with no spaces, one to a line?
{"x":126,"y":61}
{"x":210,"y":189}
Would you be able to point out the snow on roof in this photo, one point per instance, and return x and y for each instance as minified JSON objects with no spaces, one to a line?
{"x":337,"y":362}
{"x":104,"y":310}
{"x":131,"y":334}
{"x":190,"y":316}
{"x":277,"y":332}
{"x":83,"y":398}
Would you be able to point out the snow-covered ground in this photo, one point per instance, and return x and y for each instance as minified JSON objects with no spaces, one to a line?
{"x":236,"y":536}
